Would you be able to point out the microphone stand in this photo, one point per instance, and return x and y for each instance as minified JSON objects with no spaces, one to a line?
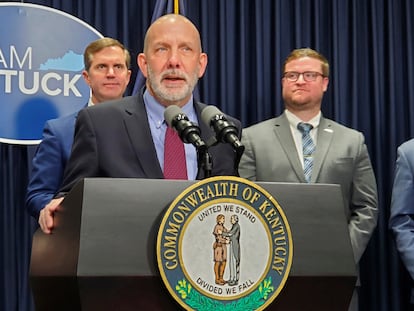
{"x":204,"y":161}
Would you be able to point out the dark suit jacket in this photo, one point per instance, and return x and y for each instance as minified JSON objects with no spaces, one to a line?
{"x":113,"y":139}
{"x":49,"y":162}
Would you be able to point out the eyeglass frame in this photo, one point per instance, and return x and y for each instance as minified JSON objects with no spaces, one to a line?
{"x":298,"y":74}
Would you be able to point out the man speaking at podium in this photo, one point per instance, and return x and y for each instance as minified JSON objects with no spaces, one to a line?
{"x":125,"y":138}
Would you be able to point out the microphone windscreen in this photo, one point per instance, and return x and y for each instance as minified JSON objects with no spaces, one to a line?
{"x":209,"y":113}
{"x":170,"y":113}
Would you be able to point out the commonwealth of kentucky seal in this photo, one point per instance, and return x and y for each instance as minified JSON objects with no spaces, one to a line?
{"x":224,"y":244}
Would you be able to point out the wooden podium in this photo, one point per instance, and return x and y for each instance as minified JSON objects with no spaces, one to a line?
{"x":102,"y":252}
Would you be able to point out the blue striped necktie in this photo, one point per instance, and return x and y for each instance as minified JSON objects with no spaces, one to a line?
{"x":308,"y":148}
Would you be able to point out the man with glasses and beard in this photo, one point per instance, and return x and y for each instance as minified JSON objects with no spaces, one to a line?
{"x":302,"y":146}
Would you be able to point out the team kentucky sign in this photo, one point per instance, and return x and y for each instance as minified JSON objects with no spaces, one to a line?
{"x":224,"y":244}
{"x":41,"y":63}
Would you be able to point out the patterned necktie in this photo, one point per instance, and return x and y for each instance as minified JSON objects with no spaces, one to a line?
{"x":308,"y":148}
{"x":175,"y":166}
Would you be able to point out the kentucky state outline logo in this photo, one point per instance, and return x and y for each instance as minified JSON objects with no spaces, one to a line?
{"x":224,"y":244}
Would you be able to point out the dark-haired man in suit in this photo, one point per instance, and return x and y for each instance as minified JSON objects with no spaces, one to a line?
{"x":107,"y":72}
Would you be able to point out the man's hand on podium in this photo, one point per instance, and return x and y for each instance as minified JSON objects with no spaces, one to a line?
{"x":47,"y":214}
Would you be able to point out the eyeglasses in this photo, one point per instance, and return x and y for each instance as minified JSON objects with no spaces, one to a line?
{"x":308,"y":76}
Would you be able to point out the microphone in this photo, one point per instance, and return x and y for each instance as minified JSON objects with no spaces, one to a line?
{"x":188,"y":131}
{"x":226,"y":132}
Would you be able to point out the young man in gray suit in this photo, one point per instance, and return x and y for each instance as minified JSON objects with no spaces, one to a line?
{"x":332,"y":153}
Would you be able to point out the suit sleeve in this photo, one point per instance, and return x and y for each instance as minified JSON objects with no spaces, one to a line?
{"x":83,"y":161}
{"x":402,"y":210}
{"x":364,"y":201}
{"x":247,"y":167}
{"x":47,"y":172}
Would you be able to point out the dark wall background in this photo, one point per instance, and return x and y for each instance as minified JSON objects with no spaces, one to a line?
{"x":369,"y":44}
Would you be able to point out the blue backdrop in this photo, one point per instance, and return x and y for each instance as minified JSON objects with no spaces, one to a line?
{"x":369,"y":44}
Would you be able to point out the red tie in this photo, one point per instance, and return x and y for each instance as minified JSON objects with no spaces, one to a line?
{"x":175,"y":166}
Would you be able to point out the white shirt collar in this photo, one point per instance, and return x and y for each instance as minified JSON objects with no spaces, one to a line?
{"x":294,"y":120}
